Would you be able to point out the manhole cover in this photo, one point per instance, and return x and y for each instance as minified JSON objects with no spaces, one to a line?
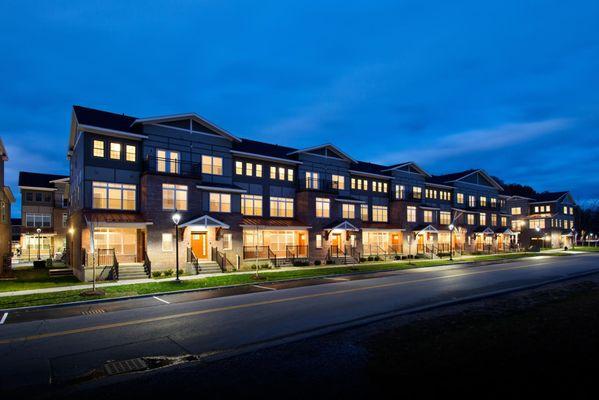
{"x":93,"y":312}
{"x":122,"y":367}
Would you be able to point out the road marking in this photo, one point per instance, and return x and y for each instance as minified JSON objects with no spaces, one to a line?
{"x":159,"y":299}
{"x":339,"y":279}
{"x":242,"y":306}
{"x":3,"y":318}
{"x":265,"y":287}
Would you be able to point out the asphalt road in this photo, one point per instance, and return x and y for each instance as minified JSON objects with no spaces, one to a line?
{"x":50,"y":349}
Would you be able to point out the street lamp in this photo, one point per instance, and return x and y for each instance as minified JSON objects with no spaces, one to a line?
{"x":176,"y":219}
{"x":71,"y":233}
{"x":451,"y":228}
{"x":38,"y":230}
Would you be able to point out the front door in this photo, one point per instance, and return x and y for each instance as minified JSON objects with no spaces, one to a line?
{"x":303,"y":245}
{"x":198,"y":245}
{"x":395,"y":242}
{"x":336,"y":242}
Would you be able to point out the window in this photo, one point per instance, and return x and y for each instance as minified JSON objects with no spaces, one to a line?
{"x":228,"y":241}
{"x":537,"y":223}
{"x":174,"y":197}
{"x":251,"y":204}
{"x":348,"y":211}
{"x":290,"y":174}
{"x":323,"y":208}
{"x":470,"y":219}
{"x":428,"y":216}
{"x":220,"y":202}
{"x":212,"y":165}
{"x":319,"y":241}
{"x":360,"y":184}
{"x":249,"y":169}
{"x":338,"y":182}
{"x":493,"y":219}
{"x":411,"y":214}
{"x":38,"y":197}
{"x":471,"y":201}
{"x":281,"y":173}
{"x":517,"y":224}
{"x":379,"y":213}
{"x":130,"y":153}
{"x":38,"y":220}
{"x":445,"y":218}
{"x":114,"y":196}
{"x":400,"y":192}
{"x":444,"y":195}
{"x":493,"y":202}
{"x":417,"y":192}
{"x":364,"y":212}
{"x":311,"y":180}
{"x":430,"y":193}
{"x":353,"y":183}
{"x":259,"y":170}
{"x":536,"y":209}
{"x":238,"y":168}
{"x":273,"y":172}
{"x":460,"y":198}
{"x":483,"y":219}
{"x":565,"y":209}
{"x":281,"y":207}
{"x":516,"y":210}
{"x":98,"y":148}
{"x":65,"y":218}
{"x":29,"y":196}
{"x":47,"y":197}
{"x":167,"y":161}
{"x":115,"y":151}
{"x":167,"y":242}
{"x":385,"y":187}
{"x":483,"y":201}
{"x":503,"y":221}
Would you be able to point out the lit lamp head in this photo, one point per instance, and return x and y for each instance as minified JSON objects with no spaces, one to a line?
{"x":176,"y":218}
{"x":538,"y":229}
{"x":451,"y":227}
{"x":38,"y":230}
{"x":71,"y":231}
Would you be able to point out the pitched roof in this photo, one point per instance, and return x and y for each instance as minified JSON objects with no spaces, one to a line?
{"x":549,"y":196}
{"x":104,"y":119}
{"x":370,"y":168}
{"x":445,"y":178}
{"x":272,"y":222}
{"x":266,"y":149}
{"x":34,"y":179}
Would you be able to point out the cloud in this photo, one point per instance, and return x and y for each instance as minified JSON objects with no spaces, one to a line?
{"x":477,"y":141}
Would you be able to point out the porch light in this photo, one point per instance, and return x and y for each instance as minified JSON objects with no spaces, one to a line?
{"x":451,"y":227}
{"x":71,"y":231}
{"x":176,"y":218}
{"x":538,"y":229}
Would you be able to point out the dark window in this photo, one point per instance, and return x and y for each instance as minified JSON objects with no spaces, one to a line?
{"x":38,"y":197}
{"x":47,"y":197}
{"x":29,"y":196}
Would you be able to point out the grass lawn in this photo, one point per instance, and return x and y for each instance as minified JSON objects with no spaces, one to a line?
{"x":30,"y":278}
{"x":70,"y":295}
{"x":586,"y":248}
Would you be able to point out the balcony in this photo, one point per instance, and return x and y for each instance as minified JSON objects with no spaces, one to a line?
{"x":171,"y":166}
{"x":319,"y":185}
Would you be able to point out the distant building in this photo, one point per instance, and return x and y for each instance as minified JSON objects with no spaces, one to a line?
{"x":6,"y":199}
{"x":44,"y":206}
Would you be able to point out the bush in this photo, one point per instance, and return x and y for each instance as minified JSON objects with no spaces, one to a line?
{"x":168,"y":272}
{"x":377,"y":258}
{"x":49,"y":263}
{"x":398,"y":257}
{"x":156,"y":274}
{"x":362,"y":259}
{"x":370,"y":258}
{"x":329,"y":262}
{"x":301,"y":263}
{"x":317,"y":262}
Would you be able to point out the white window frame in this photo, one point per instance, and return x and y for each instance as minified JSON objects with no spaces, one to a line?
{"x":220,"y":202}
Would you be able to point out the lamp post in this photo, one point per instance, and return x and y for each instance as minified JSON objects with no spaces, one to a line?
{"x":176,"y":219}
{"x":71,"y":233}
{"x":38,"y":230}
{"x":451,"y":228}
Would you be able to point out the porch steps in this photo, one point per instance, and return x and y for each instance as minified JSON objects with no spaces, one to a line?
{"x":132,"y":271}
{"x":344,"y":260}
{"x":60,"y":272}
{"x":208,"y":267}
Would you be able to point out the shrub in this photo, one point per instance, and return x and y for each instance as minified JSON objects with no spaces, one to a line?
{"x":300,"y":263}
{"x":317,"y":262}
{"x":398,"y":257}
{"x":362,"y":259}
{"x":329,"y":262}
{"x":168,"y":272}
{"x":49,"y":263}
{"x":156,"y":274}
{"x":377,"y":258}
{"x":370,"y":258}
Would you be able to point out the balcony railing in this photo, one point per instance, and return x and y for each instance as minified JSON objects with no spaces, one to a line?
{"x":172,"y":166}
{"x":321,"y":185}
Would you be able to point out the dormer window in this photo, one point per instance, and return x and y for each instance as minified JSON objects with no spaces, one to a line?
{"x":115,"y":151}
{"x":98,"y":146}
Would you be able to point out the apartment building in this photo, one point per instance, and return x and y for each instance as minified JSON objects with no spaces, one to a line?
{"x":6,"y":199}
{"x":544,"y":220}
{"x":244,"y":202}
{"x":44,"y":215}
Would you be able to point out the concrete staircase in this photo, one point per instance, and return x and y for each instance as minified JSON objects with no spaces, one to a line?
{"x":132,"y":271}
{"x":53,"y":272}
{"x":209,"y":267}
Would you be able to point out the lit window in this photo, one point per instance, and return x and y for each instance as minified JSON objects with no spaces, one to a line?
{"x":115,"y":151}
{"x":249,"y":169}
{"x":494,"y":219}
{"x":503,"y":221}
{"x":38,"y":220}
{"x":98,"y":148}
{"x":114,"y":196}
{"x":417,"y":192}
{"x":174,"y":197}
{"x":228,"y":241}
{"x":281,"y":207}
{"x":338,"y":182}
{"x":471,"y":201}
{"x":411,"y":214}
{"x":259,"y":170}
{"x":460,"y":198}
{"x":212,"y":165}
{"x":319,"y":241}
{"x":364,"y":212}
{"x":445,"y":218}
{"x":167,"y":161}
{"x":238,"y":167}
{"x":516,"y":210}
{"x":493,"y":202}
{"x":290,"y":174}
{"x":220,"y":202}
{"x":281,"y":173}
{"x":130,"y":153}
{"x":167,"y":242}
{"x":483,"y":201}
{"x":400,"y":192}
{"x":251,"y":204}
{"x":311,"y":180}
{"x":470,"y":219}
{"x":428,"y":216}
{"x":348,"y":211}
{"x":273,"y":172}
{"x":323,"y":208}
{"x":483,"y":219}
{"x":353,"y":183}
{"x":536,"y":209}
{"x":379,"y":213}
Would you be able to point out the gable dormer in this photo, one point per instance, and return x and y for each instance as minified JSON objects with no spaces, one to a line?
{"x":190,"y":122}
{"x":479,"y":177}
{"x":327,"y":151}
{"x":409,"y":167}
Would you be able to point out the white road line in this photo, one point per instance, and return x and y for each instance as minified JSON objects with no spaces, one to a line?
{"x":159,"y":299}
{"x":339,"y":279}
{"x":3,"y":318}
{"x":265,"y":287}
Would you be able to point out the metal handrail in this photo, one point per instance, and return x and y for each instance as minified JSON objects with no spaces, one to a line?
{"x":147,"y":263}
{"x":250,"y":252}
{"x":181,"y":167}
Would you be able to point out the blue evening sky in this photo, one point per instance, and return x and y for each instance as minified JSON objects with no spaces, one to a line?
{"x":508,"y":86}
